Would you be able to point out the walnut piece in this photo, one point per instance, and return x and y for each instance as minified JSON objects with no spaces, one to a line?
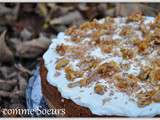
{"x":99,"y":89}
{"x":71,"y":74}
{"x":137,"y":16}
{"x":83,"y":82}
{"x":126,"y":31}
{"x":145,"y":98}
{"x":127,"y":53}
{"x":61,"y":49}
{"x":108,"y":69}
{"x":106,"y":48}
{"x":156,"y":97}
{"x":61,"y":63}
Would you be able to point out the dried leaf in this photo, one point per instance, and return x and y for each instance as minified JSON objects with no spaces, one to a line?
{"x":25,"y":34}
{"x":5,"y":53}
{"x":43,"y":9}
{"x":23,"y":69}
{"x":127,"y":9}
{"x":68,"y":18}
{"x":22,"y":84}
{"x":4,"y":10}
{"x":33,"y":48}
{"x":7,"y":85}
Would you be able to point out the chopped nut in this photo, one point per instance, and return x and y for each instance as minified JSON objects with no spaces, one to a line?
{"x":122,"y":85}
{"x":127,"y":53}
{"x":145,"y":98}
{"x":76,"y":39}
{"x":74,"y":31}
{"x":156,"y":23}
{"x":61,"y":63}
{"x":88,"y":64}
{"x":137,"y":16}
{"x":156,"y":97}
{"x":156,"y":62}
{"x":144,"y":73}
{"x":108,"y":69}
{"x":99,"y":89}
{"x":155,"y":36}
{"x":144,"y":29}
{"x":83,"y":82}
{"x":71,"y":30}
{"x":126,"y":31}
{"x":90,"y":25}
{"x":61,"y":49}
{"x":143,"y":45}
{"x":73,"y":84}
{"x":144,"y":102}
{"x":155,"y":76}
{"x":71,"y":74}
{"x":106,"y":48}
{"x":136,"y":41}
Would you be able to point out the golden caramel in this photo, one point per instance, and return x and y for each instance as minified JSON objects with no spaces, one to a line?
{"x":99,"y":89}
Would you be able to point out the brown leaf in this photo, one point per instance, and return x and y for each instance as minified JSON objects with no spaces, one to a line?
{"x":33,"y":48}
{"x":4,"y":10}
{"x":22,"y":69}
{"x":22,"y":84}
{"x":5,"y":53}
{"x":68,"y":18}
{"x":127,"y":9}
{"x":7,"y":85}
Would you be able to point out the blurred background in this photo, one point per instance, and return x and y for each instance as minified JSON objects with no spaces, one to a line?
{"x":26,"y":31}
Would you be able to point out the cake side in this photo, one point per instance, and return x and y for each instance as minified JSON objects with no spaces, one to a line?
{"x":55,"y":100}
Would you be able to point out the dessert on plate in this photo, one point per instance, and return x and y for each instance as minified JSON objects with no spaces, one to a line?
{"x":107,"y":67}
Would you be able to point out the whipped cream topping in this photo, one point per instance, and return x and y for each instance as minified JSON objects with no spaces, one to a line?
{"x":113,"y":102}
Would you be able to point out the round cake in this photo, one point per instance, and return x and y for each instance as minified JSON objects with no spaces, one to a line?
{"x":107,"y":67}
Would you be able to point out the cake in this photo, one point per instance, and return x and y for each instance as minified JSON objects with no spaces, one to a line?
{"x":107,"y":67}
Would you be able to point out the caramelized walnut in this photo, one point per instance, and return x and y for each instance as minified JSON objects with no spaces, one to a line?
{"x":84,"y":82}
{"x":143,"y":45}
{"x":109,"y":19}
{"x":71,"y":30}
{"x":127,"y":53}
{"x":61,"y":63}
{"x":108,"y":69}
{"x":144,"y":29}
{"x":120,"y":82}
{"x":74,"y":31}
{"x":145,"y":98}
{"x":144,"y":73}
{"x":71,"y":74}
{"x":137,"y":16}
{"x":156,"y":36}
{"x":155,"y":76}
{"x":144,"y":102}
{"x":156,"y":96}
{"x":156,"y":62}
{"x":88,"y":64}
{"x":90,"y":25}
{"x":61,"y":49}
{"x":99,"y":89}
{"x":156,"y":23}
{"x":106,"y":48}
{"x":76,"y":39}
{"x":81,"y":83}
{"x":126,"y":31}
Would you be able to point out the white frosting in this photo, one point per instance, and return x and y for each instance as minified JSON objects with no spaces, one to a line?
{"x":117,"y":104}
